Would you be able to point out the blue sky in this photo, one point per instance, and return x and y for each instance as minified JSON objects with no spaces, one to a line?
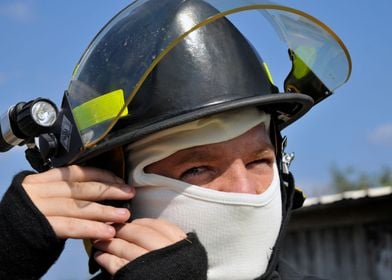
{"x":41,"y":42}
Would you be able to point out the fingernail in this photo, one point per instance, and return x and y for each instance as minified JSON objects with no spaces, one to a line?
{"x":127,"y":189}
{"x":121,"y":211}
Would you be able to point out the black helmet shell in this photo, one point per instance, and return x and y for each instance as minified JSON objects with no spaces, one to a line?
{"x":213,"y":69}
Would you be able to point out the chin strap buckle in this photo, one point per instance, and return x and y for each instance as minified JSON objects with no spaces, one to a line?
{"x":287,"y":158}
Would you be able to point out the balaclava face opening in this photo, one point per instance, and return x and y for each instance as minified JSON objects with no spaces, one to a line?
{"x":238,"y":230}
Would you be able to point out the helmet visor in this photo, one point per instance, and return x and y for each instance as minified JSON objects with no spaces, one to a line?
{"x":316,"y":52}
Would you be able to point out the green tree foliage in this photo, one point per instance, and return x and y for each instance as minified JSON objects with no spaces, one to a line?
{"x":349,"y":178}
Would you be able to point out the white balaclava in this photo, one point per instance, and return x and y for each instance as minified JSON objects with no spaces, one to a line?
{"x":238,"y":230}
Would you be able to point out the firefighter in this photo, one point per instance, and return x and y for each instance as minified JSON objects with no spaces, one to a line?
{"x":182,"y":172}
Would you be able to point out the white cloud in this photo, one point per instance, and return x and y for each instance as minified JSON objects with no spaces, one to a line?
{"x":382,"y":135}
{"x":21,"y":11}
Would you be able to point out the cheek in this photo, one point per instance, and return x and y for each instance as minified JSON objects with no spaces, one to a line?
{"x":262,"y":180}
{"x":261,"y":175}
{"x":255,"y":180}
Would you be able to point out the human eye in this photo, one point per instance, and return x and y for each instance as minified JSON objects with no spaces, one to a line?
{"x":265,"y":160}
{"x":195,"y":175}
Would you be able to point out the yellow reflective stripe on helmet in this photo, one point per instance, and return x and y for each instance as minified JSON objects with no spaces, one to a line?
{"x":100,"y":109}
{"x":268,"y":73}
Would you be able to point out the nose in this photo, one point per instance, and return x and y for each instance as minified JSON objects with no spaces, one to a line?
{"x":237,"y":178}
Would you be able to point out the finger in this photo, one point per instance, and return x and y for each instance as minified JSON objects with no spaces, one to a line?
{"x":74,"y":173}
{"x":121,"y":248}
{"x":93,"y":191}
{"x":80,"y":229}
{"x":170,"y":230}
{"x":110,"y":262}
{"x":83,"y":210}
{"x":142,"y":236}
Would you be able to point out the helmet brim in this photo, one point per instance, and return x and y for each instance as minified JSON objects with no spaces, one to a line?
{"x":286,"y":107}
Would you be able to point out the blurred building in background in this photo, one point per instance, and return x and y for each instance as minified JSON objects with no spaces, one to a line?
{"x":343,"y":236}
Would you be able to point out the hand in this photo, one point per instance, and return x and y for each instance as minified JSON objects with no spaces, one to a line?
{"x":135,"y":239}
{"x":68,"y":198}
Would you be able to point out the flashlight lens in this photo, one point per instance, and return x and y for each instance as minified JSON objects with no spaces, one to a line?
{"x":44,"y":113}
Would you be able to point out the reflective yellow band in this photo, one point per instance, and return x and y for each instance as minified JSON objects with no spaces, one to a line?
{"x":268,"y":73}
{"x":100,"y":109}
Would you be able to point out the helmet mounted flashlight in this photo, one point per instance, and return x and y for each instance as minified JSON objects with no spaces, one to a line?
{"x":25,"y":121}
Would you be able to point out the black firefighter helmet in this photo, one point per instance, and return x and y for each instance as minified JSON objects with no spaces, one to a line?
{"x":158,"y":64}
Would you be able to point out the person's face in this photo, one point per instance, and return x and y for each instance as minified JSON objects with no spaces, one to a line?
{"x":243,"y":164}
